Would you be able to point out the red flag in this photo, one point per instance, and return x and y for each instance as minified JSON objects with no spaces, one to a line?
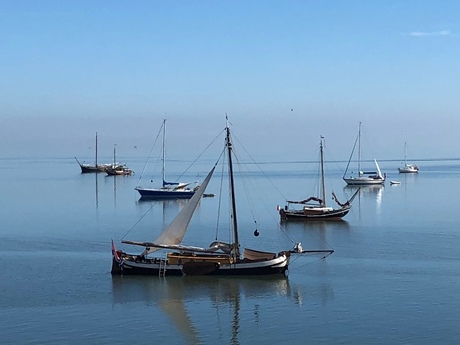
{"x":114,"y":253}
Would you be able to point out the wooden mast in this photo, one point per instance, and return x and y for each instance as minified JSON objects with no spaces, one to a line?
{"x":232,"y":191}
{"x":359,"y":150}
{"x":95,"y":162}
{"x":163,"y":157}
{"x":323,"y":188}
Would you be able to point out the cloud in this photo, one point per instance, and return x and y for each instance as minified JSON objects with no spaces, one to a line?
{"x":433,"y":33}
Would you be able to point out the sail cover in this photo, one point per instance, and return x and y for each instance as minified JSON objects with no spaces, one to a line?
{"x":176,"y":230}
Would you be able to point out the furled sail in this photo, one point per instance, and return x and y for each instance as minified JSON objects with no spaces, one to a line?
{"x":176,"y":230}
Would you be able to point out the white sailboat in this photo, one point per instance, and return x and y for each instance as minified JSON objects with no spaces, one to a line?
{"x":218,"y":259}
{"x":407,"y":168}
{"x":168,"y":190}
{"x":362,"y":178}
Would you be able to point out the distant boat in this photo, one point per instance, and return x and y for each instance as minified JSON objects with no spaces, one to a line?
{"x":168,"y":190}
{"x":93,"y":168}
{"x":219,"y":258}
{"x":407,"y":168}
{"x":362,"y":178}
{"x":315,"y":208}
{"x":395,"y":182}
{"x":118,"y":169}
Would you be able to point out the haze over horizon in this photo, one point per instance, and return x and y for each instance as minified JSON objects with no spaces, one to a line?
{"x":284,"y":72}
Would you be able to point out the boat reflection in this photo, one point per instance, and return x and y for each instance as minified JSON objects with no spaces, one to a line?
{"x":372,"y":192}
{"x":167,"y":208}
{"x":166,"y":203}
{"x":191,"y":301}
{"x":320,"y":226}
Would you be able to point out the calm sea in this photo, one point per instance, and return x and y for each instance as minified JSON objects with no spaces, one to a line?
{"x":394,"y":277}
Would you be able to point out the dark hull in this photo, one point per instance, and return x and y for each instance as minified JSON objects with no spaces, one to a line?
{"x":157,"y":268}
{"x":164,"y":194}
{"x":92,"y":169}
{"x":300,"y":215}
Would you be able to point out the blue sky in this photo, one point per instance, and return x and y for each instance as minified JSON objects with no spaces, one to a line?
{"x":285,"y":72}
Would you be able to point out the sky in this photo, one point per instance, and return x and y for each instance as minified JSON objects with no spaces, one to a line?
{"x":285,"y":72}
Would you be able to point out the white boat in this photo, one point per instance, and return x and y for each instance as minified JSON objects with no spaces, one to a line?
{"x":395,"y":182}
{"x":362,"y":178}
{"x":219,"y":258}
{"x":315,"y":207}
{"x":407,"y":168}
{"x":168,"y":190}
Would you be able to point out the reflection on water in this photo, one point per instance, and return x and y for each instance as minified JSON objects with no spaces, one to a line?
{"x":190,"y":300}
{"x":97,"y":191}
{"x":314,"y":235}
{"x":169,"y":207}
{"x":373,"y":192}
{"x":165,"y":203}
{"x":317,"y":225}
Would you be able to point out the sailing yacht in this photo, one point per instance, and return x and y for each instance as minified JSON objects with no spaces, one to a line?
{"x":315,"y":208}
{"x":168,"y":190}
{"x":219,"y":258}
{"x":93,"y":168}
{"x":362,"y":178}
{"x":407,"y":168}
{"x":118,"y":169}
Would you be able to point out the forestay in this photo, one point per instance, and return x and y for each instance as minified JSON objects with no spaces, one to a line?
{"x":176,"y":230}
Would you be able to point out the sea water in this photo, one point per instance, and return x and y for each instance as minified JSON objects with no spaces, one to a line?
{"x":393,"y":279}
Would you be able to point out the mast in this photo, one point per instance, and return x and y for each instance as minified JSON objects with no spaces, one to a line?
{"x":164,"y":140}
{"x":232,"y":191}
{"x":359,"y":150}
{"x":95,"y":162}
{"x":323,"y":188}
{"x":405,"y":153}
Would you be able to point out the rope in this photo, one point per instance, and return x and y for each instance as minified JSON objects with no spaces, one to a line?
{"x":150,"y":153}
{"x":135,"y":224}
{"x":199,"y":156}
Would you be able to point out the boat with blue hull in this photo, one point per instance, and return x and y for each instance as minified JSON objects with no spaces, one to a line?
{"x":168,"y":190}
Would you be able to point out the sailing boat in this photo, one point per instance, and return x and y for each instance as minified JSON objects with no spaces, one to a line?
{"x":93,"y":168}
{"x":315,"y":208}
{"x":407,"y":168}
{"x":363,"y":177}
{"x":218,"y":259}
{"x":117,"y":168}
{"x":169,"y":190}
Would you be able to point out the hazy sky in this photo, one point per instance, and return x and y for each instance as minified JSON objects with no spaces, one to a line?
{"x":285,"y":72}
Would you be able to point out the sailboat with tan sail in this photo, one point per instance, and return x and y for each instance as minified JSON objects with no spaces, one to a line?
{"x":219,"y":258}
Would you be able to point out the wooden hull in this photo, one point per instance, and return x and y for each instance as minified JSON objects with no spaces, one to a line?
{"x":118,"y":172}
{"x":336,"y":214}
{"x":132,"y":265}
{"x":93,"y":168}
{"x":159,"y":194}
